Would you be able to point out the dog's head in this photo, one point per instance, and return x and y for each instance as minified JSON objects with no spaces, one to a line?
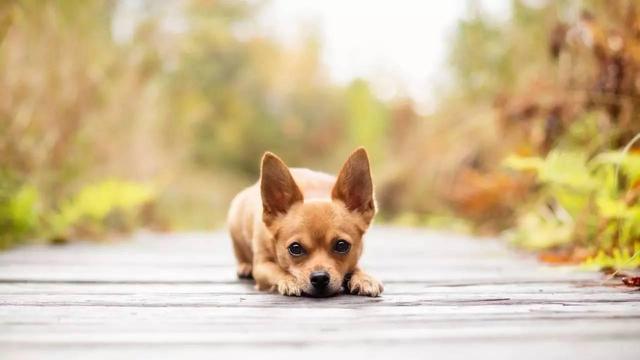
{"x":319,"y":242}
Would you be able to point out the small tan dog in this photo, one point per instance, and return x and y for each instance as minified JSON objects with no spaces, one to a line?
{"x":300,"y":231}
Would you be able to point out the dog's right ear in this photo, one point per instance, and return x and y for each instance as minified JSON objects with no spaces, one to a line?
{"x":354,"y":186}
{"x":278,"y":189}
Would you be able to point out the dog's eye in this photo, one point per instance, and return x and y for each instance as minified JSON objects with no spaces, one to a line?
{"x":341,"y":246}
{"x":296,"y":249}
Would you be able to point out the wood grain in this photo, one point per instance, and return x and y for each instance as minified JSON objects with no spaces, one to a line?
{"x":175,"y":295}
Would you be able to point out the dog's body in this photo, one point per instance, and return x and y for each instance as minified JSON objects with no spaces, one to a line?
{"x":300,"y":232}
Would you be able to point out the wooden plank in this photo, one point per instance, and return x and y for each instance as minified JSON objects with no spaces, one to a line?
{"x":515,"y":349}
{"x":246,"y":287}
{"x":167,"y":295}
{"x":331,"y":335}
{"x":252,"y":299}
{"x":306,"y":310}
{"x":72,"y":273}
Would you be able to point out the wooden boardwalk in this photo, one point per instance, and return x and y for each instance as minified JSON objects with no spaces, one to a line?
{"x":169,"y":296}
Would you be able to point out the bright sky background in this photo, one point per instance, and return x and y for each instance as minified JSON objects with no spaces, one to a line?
{"x":398,"y":45}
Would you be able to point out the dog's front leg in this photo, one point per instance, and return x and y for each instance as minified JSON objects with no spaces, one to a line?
{"x":269,"y":276}
{"x":364,"y":284}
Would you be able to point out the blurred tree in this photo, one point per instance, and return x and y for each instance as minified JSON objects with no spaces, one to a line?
{"x":241,"y":97}
{"x":367,"y":119}
{"x":188,"y":107}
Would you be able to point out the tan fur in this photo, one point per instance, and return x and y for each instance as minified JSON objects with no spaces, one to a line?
{"x":313,"y":209}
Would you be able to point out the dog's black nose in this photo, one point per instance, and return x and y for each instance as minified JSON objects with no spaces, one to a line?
{"x":319,"y":279}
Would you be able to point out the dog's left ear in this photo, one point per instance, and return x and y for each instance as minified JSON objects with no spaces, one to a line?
{"x":354,"y":186}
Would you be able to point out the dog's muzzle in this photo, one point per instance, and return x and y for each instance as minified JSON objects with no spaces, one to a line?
{"x":319,"y":280}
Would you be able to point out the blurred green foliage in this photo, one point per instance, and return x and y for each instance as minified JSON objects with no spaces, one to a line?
{"x":109,"y":203}
{"x":18,"y":211}
{"x":189,"y":111}
{"x":490,"y":57}
{"x":112,"y":205}
{"x":181,"y":117}
{"x":562,"y":78}
{"x":367,"y":118}
{"x":588,"y":203}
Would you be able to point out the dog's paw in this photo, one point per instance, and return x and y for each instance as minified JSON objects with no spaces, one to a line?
{"x":364,"y":285}
{"x":244,"y":270}
{"x":288,"y":286}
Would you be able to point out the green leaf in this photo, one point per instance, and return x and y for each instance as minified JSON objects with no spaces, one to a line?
{"x":522,"y":163}
{"x":536,"y":232}
{"x":567,"y":169}
{"x":94,"y":203}
{"x":629,"y":163}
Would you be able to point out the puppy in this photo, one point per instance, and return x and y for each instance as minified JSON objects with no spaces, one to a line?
{"x":299,"y":231}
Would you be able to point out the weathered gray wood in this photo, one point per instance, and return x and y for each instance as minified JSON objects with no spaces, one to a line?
{"x":245,"y":287}
{"x":516,"y":349}
{"x":170,"y":295}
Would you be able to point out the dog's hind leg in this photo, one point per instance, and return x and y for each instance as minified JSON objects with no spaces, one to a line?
{"x":243,"y":256}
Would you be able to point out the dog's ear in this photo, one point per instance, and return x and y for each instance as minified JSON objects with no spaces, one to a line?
{"x":354,"y":186}
{"x":279,"y":190}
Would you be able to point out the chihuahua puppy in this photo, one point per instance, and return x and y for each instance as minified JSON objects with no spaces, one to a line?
{"x":299,"y":232}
